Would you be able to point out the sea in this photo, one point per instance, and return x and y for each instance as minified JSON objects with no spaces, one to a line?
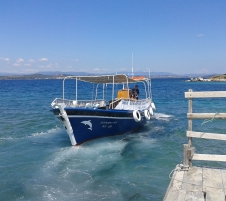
{"x":38,"y":163}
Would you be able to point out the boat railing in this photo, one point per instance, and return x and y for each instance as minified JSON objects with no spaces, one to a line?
{"x":121,"y":104}
{"x":79,"y":103}
{"x":133,"y":104}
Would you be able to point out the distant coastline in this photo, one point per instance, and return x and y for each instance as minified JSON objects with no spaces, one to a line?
{"x":62,"y":75}
{"x":215,"y":78}
{"x":36,"y":77}
{"x":32,"y":77}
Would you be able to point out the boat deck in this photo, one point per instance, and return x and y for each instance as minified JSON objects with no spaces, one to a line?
{"x":198,"y":183}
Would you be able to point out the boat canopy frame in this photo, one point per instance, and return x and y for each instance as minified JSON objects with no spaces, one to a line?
{"x":109,"y":79}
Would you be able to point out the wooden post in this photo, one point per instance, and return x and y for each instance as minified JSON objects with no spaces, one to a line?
{"x":186,"y":159}
{"x":190,"y":120}
{"x":191,"y":152}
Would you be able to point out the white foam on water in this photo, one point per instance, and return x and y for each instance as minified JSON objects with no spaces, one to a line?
{"x":143,"y":136}
{"x":69,"y":172}
{"x":62,"y":155}
{"x":158,"y":128}
{"x":161,"y":116}
{"x":149,"y":142}
{"x":55,"y":130}
{"x":7,"y":138}
{"x":51,"y":131}
{"x":91,"y":171}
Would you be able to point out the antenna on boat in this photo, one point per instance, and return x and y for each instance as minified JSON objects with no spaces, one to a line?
{"x":132,"y":63}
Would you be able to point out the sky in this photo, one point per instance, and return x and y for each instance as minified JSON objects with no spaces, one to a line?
{"x":100,"y":36}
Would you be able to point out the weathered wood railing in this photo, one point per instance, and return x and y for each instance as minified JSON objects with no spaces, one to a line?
{"x":189,"y":151}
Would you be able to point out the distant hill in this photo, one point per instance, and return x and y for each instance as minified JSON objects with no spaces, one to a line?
{"x":61,"y":74}
{"x":64,"y":73}
{"x":85,"y":73}
{"x":153,"y":74}
{"x":218,"y":77}
{"x":29,"y":77}
{"x":9,"y":74}
{"x":54,"y":73}
{"x":199,"y":75}
{"x":40,"y":75}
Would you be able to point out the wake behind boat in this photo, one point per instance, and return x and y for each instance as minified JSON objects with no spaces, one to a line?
{"x":85,"y":120}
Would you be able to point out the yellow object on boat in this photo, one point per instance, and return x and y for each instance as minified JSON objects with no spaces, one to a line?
{"x":124,"y":93}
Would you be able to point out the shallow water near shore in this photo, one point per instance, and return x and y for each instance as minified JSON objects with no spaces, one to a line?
{"x":37,"y":161}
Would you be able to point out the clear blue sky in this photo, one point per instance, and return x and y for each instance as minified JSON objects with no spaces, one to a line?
{"x":177,"y":36}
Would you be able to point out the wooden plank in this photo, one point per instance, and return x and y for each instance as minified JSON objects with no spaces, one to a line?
{"x":177,"y":179}
{"x":185,"y":156}
{"x":223,"y":177}
{"x":176,"y":195}
{"x":206,"y":94}
{"x":174,"y":186}
{"x":201,"y":184}
{"x":192,"y":180}
{"x":190,"y":120}
{"x":213,"y":194}
{"x":213,"y":136}
{"x":194,"y":196}
{"x":181,"y":195}
{"x":212,"y":179}
{"x":191,"y":152}
{"x":170,"y":195}
{"x":206,"y":115}
{"x":190,"y":129}
{"x":209,"y":157}
{"x":213,"y":184}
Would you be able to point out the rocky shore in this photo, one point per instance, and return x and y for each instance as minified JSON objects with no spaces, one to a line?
{"x":215,"y":78}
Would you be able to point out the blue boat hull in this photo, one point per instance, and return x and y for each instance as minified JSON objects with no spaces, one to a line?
{"x":89,"y":124}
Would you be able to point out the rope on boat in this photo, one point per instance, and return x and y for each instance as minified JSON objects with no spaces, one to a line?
{"x":209,"y":120}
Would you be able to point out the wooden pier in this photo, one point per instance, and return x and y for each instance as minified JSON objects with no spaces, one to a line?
{"x":199,"y":183}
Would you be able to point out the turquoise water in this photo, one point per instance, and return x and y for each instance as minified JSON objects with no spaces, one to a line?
{"x":37,"y":161}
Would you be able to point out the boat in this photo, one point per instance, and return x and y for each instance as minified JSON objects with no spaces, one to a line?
{"x":109,"y":115}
